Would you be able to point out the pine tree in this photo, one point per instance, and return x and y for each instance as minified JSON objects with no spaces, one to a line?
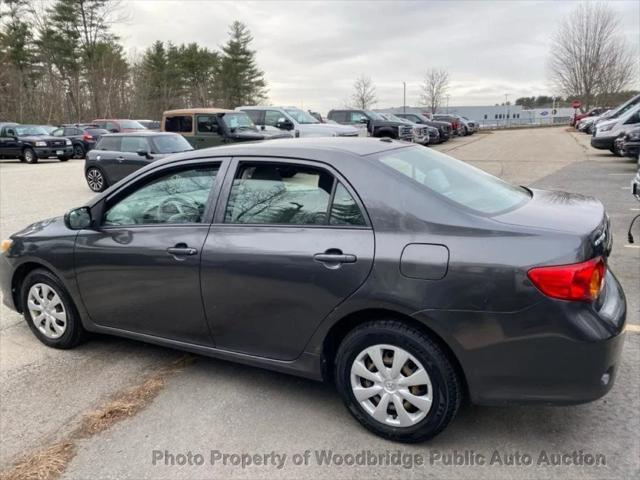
{"x":242,"y":82}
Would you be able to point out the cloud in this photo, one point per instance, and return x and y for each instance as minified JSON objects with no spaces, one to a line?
{"x":312,"y":52}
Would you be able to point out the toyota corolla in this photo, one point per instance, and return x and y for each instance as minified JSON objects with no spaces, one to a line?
{"x":405,"y":277}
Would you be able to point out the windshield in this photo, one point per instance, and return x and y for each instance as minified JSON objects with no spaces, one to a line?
{"x":458,"y":181}
{"x":238,"y":120}
{"x":171,"y":144}
{"x":373,"y":115}
{"x":132,"y":124}
{"x":393,"y":118}
{"x":30,"y":130}
{"x":301,"y":116}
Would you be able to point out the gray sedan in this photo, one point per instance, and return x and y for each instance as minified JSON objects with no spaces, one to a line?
{"x":407,"y":278}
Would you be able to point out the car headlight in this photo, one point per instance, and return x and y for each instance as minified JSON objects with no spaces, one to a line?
{"x":41,"y":144}
{"x":634,"y":135}
{"x":5,"y":245}
{"x":67,"y":142}
{"x":605,"y":128}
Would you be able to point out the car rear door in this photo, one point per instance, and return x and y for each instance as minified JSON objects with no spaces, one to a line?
{"x":291,"y":243}
{"x":139,"y":271}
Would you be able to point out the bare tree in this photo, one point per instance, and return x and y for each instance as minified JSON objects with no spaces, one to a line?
{"x":434,"y":88}
{"x":589,"y":58}
{"x":364,"y":93}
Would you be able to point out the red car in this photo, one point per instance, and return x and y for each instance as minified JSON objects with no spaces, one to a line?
{"x":591,"y":113}
{"x":118,"y":125}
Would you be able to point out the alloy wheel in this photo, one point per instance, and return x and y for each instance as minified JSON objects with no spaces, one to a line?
{"x":95,"y":179}
{"x":47,"y":310}
{"x":391,"y":385}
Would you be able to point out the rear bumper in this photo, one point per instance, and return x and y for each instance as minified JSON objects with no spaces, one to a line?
{"x":554,"y":352}
{"x":602,"y":143}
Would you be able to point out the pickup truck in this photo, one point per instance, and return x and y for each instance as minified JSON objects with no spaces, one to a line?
{"x":444,"y":128}
{"x":376,"y":125}
{"x":31,"y":142}
{"x":210,"y":127}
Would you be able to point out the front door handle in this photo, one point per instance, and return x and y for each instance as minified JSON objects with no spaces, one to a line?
{"x":181,"y":250}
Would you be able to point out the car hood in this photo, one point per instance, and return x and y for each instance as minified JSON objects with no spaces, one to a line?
{"x":562,"y":212}
{"x":249,"y":135}
{"x":52,"y":226}
{"x":40,"y":138}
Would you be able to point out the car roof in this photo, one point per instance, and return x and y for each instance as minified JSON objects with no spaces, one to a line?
{"x":8,"y":124}
{"x":309,"y":148}
{"x":268,"y":107}
{"x":143,"y":133}
{"x":189,"y":111}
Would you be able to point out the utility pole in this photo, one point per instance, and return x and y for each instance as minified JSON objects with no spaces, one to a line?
{"x":404,"y":97}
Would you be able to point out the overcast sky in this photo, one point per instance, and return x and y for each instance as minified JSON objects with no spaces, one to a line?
{"x":311,"y":52}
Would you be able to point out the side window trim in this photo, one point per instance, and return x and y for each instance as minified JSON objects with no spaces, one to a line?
{"x":230,"y":174}
{"x":212,"y":201}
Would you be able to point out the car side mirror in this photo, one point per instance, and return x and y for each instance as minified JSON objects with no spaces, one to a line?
{"x":364,"y":120}
{"x":113,"y":130}
{"x":78,"y":218}
{"x":284,"y":124}
{"x":143,"y":153}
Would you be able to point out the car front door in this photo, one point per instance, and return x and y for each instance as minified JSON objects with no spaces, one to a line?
{"x":291,"y":243}
{"x":129,"y":160}
{"x":139,"y":271}
{"x":208,"y":132}
{"x":9,"y":144}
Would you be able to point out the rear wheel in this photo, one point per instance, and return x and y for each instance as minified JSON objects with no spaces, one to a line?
{"x":396,"y":381}
{"x":96,"y":179}
{"x":29,"y":155}
{"x":49,"y":311}
{"x":63,"y":158}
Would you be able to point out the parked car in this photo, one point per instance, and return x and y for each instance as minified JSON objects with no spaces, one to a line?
{"x":210,"y":127}
{"x":635,"y":191}
{"x":628,"y":144}
{"x":117,"y":155}
{"x":31,"y":142}
{"x":375,"y":124}
{"x":150,"y":124}
{"x":456,"y":127}
{"x":317,"y":116}
{"x":296,"y":121}
{"x":615,"y":113}
{"x":420,"y":132}
{"x":48,"y":128}
{"x":607,"y":131}
{"x":444,"y":128}
{"x":468,"y":126}
{"x":594,"y":112}
{"x":83,"y":137}
{"x":118,"y":125}
{"x":301,"y":256}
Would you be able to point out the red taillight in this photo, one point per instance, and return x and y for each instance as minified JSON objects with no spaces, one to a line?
{"x":579,"y":281}
{"x":87,"y":137}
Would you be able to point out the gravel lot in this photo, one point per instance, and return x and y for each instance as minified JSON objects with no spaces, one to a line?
{"x":218,"y":406}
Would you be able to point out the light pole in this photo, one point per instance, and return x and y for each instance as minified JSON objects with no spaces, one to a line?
{"x":404,"y":97}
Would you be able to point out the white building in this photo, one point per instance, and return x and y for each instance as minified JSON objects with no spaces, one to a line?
{"x":498,"y":115}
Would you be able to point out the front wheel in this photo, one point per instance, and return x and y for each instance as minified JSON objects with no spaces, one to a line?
{"x":29,"y":155}
{"x":78,"y":151}
{"x":96,"y":179}
{"x":397,"y":381}
{"x":49,"y":311}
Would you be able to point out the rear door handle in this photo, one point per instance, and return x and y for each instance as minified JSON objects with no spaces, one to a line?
{"x":180,"y":251}
{"x":334,"y":256}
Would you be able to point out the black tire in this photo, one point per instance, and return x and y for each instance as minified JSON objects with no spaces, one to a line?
{"x":615,"y":150}
{"x":74,"y":332}
{"x":29,"y":155}
{"x":447,"y":390}
{"x":63,"y":159}
{"x":96,"y":179}
{"x":79,"y":151}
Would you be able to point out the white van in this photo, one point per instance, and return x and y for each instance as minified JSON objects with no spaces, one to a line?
{"x":296,"y":121}
{"x":607,"y":131}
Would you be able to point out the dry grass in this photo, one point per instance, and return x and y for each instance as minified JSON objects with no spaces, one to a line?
{"x":49,"y":463}
{"x":45,"y":464}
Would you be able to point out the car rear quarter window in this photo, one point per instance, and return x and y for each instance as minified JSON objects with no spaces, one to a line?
{"x":344,"y":209}
{"x":179,"y":124}
{"x":111,"y":143}
{"x":455,"y":180}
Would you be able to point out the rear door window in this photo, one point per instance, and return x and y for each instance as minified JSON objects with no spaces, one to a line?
{"x":179,"y":124}
{"x":207,"y":124}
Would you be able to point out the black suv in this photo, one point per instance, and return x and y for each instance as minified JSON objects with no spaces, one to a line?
{"x":83,"y":137}
{"x":444,"y":128}
{"x":31,"y":142}
{"x":377,"y":126}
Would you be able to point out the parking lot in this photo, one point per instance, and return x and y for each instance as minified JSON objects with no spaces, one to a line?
{"x":216,"y":406}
